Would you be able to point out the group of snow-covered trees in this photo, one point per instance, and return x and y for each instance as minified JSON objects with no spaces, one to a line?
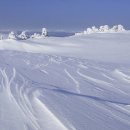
{"x":24,"y":35}
{"x":103,"y":29}
{"x":44,"y":33}
{"x":37,"y":35}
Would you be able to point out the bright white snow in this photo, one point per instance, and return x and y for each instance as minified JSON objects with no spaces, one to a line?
{"x":103,"y":29}
{"x":72,"y":83}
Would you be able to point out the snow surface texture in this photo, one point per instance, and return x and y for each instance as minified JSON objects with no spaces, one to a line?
{"x":72,"y":83}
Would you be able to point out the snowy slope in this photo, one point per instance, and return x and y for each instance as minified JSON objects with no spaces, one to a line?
{"x":72,"y":83}
{"x":104,"y":47}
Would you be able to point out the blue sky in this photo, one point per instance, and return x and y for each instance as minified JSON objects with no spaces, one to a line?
{"x":63,"y":14}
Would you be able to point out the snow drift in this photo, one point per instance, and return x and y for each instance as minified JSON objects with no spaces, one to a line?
{"x":72,"y":83}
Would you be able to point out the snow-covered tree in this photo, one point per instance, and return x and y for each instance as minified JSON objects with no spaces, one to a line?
{"x":101,"y":29}
{"x":44,"y":32}
{"x":120,"y":28}
{"x":117,"y":28}
{"x":89,"y":31}
{"x":114,"y":28}
{"x":23,"y":36}
{"x":104,"y":28}
{"x":1,"y":37}
{"x":85,"y":32}
{"x":12,"y":35}
{"x":36,"y":35}
{"x":94,"y":29}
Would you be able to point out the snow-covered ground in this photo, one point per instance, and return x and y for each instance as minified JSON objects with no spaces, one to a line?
{"x":71,"y":83}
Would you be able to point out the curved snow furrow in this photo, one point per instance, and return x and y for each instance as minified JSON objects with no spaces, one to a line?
{"x":22,"y":102}
{"x":97,"y":81}
{"x":118,"y":113}
{"x":48,"y":120}
{"x":105,"y":86}
{"x":121,"y":76}
{"x":62,"y":93}
{"x":108,"y":77}
{"x":6,"y":82}
{"x":35,"y":115}
{"x":74,"y":80}
{"x":90,"y":97}
{"x":25,"y":104}
{"x":121,"y":109}
{"x":112,"y":109}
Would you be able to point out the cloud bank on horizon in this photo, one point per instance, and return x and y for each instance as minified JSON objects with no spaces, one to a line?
{"x":62,"y":14}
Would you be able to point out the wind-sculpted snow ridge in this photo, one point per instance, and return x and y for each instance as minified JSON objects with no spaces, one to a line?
{"x":50,"y":92}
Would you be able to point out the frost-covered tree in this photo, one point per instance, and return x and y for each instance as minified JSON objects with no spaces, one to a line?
{"x":85,"y":32}
{"x":101,"y":29}
{"x":94,"y":29}
{"x":36,"y":35}
{"x":44,"y":32}
{"x":23,"y":36}
{"x":89,"y":31}
{"x":114,"y":28}
{"x":12,"y":35}
{"x":120,"y":28}
{"x":104,"y":28}
{"x":1,"y":37}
